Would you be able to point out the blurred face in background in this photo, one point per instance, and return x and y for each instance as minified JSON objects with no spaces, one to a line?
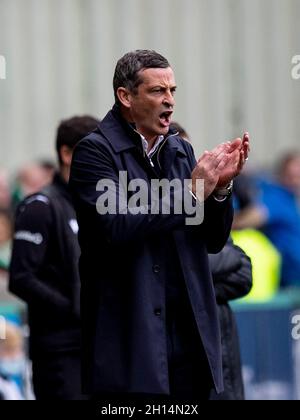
{"x":32,"y":178}
{"x":290,"y":175}
{"x":4,"y":191}
{"x":5,"y":228}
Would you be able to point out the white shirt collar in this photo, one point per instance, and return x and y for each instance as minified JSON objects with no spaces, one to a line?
{"x":157,"y":143}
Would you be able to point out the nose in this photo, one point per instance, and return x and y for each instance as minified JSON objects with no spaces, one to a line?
{"x":169,"y":100}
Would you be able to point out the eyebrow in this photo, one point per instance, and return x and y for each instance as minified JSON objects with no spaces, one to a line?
{"x":163,"y":87}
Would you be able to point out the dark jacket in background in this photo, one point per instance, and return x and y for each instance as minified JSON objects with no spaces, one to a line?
{"x":44,"y":269}
{"x":232,"y":276}
{"x":44,"y":273}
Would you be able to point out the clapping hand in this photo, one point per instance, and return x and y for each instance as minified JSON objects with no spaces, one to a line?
{"x":220,"y":166}
{"x":238,"y":152}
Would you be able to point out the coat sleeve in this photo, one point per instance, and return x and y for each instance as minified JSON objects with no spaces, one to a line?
{"x":30,"y":247}
{"x":93,"y":163}
{"x":225,"y":262}
{"x":232,"y":273}
{"x":217,"y":223}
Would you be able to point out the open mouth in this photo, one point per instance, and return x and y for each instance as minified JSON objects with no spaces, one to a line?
{"x":165,"y":118}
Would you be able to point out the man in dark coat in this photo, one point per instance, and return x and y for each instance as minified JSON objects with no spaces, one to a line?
{"x":150,"y":322}
{"x":44,"y":273}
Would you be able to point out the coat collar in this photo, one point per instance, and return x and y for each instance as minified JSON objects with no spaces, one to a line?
{"x":122,"y":136}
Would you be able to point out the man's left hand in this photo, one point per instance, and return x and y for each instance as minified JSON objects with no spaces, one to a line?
{"x":238,"y":155}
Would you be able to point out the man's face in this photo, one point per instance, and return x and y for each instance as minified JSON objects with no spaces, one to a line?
{"x":152,"y":106}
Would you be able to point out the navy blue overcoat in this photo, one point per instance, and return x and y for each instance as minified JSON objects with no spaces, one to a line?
{"x":122,"y":270}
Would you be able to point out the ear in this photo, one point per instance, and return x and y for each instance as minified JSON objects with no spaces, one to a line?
{"x":124,"y":97}
{"x":66,"y":155}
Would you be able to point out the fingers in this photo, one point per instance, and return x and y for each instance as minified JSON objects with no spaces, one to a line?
{"x":234,"y":152}
{"x":229,"y":147}
{"x":235,"y":144}
{"x":223,"y":161}
{"x":246,"y":151}
{"x":246,"y":137}
{"x":246,"y":145}
{"x":244,"y":154}
{"x":241,"y":162}
{"x":205,"y":157}
{"x":223,"y":147}
{"x":243,"y":146}
{"x":210,"y":161}
{"x":208,"y":156}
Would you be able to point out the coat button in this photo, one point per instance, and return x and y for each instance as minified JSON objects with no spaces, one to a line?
{"x":156,"y":269}
{"x":157,"y":312}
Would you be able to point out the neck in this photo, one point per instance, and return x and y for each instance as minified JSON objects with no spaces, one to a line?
{"x":127,"y":116}
{"x":65,"y":173}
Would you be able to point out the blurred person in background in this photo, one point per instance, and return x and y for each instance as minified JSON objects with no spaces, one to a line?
{"x":265,"y":258}
{"x":281,"y":216}
{"x":5,"y":239}
{"x":12,"y":364}
{"x":6,"y":230}
{"x":49,"y":168}
{"x":5,"y":197}
{"x":276,"y":211}
{"x":30,"y":179}
{"x":44,"y":273}
{"x":232,"y":278}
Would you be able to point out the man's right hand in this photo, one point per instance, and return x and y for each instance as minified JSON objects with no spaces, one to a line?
{"x":209,"y":168}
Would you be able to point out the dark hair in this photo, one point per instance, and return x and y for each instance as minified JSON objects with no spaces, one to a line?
{"x":47,"y":164}
{"x":127,"y":68}
{"x":71,"y":131}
